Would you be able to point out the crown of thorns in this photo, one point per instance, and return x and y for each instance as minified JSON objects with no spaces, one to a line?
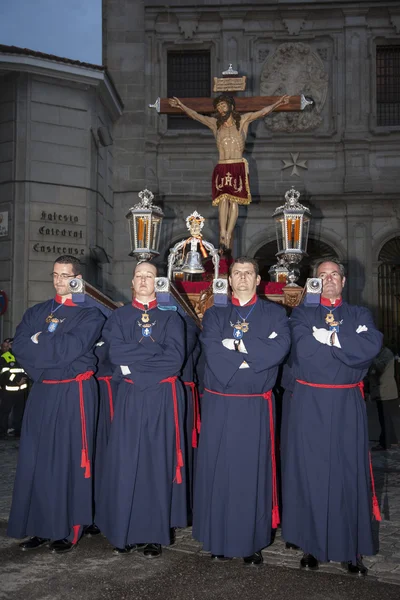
{"x":224,"y":98}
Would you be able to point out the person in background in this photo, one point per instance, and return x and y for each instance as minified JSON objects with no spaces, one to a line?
{"x":383,"y":390}
{"x":14,"y":388}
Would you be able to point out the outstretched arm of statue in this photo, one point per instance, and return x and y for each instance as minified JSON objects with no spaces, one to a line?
{"x":208,"y":121}
{"x":252,"y":116}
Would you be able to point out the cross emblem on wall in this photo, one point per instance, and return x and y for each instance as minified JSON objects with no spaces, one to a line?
{"x":294,"y":163}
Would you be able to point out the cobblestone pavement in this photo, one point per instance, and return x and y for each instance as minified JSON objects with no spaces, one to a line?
{"x":385,"y":565}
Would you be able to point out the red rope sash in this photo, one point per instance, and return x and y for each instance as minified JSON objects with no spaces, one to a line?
{"x":375,"y":504}
{"x":267,"y":396}
{"x":107,"y":379}
{"x":179,"y":455}
{"x":196,"y":412}
{"x":85,"y":462}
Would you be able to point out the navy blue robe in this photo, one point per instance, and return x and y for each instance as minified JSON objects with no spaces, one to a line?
{"x":107,"y":395}
{"x":141,"y":497}
{"x":233,"y":486}
{"x":52,"y":491}
{"x":192,"y":416}
{"x":327,"y":507}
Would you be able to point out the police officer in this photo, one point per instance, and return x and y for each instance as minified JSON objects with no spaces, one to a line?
{"x":14,"y":385}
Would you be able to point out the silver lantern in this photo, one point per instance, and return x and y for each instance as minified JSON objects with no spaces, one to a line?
{"x":145,"y":221}
{"x":292,"y":221}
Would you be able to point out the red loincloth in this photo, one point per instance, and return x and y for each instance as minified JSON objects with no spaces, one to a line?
{"x":230,"y":181}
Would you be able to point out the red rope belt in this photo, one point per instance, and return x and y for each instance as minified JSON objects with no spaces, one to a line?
{"x":375,"y":505}
{"x":267,"y":396}
{"x":179,"y":455}
{"x":196,"y":412}
{"x":85,"y":462}
{"x":107,"y":379}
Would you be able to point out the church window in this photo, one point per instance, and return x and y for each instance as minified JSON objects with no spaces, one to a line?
{"x":388,"y":85}
{"x":188,"y":76}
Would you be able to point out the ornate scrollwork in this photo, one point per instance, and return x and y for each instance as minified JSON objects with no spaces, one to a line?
{"x":295,"y":69}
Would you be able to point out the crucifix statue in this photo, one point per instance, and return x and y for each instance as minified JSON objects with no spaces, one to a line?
{"x":230,"y":179}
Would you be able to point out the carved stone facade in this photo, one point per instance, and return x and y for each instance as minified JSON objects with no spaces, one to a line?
{"x":295,"y":69}
{"x":326,"y":50}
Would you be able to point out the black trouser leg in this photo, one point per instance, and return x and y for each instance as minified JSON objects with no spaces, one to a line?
{"x":6,"y":404}
{"x":18,"y":411}
{"x":387,"y":410}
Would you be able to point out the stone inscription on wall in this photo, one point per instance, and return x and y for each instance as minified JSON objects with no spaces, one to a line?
{"x":58,"y":232}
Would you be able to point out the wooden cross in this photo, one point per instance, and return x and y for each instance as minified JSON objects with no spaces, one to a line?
{"x":225,"y":193}
{"x":243,"y":104}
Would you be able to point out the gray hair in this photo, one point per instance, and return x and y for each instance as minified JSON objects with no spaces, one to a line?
{"x":332,"y":259}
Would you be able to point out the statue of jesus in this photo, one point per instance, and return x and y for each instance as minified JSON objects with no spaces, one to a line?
{"x":230,"y":179}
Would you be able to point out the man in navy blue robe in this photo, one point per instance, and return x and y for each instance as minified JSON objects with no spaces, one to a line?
{"x":143,"y":487}
{"x":235,"y":500}
{"x":327,"y":505}
{"x":54,"y":343}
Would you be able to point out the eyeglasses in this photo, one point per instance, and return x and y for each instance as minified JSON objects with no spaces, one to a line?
{"x":63,"y":276}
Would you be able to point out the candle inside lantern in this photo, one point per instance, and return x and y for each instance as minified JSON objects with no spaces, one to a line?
{"x":289,"y":230}
{"x":140,"y":232}
{"x":297,"y":231}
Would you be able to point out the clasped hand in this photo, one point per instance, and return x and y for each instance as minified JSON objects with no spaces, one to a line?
{"x":230,"y":344}
{"x":322,"y":335}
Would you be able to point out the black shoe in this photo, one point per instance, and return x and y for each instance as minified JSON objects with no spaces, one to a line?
{"x":290,"y":546}
{"x":61,"y":546}
{"x":152,"y":550}
{"x":309,"y":562}
{"x":33,"y":543}
{"x":380,"y":448}
{"x":358,"y":569}
{"x":91,"y":530}
{"x":219,"y":558}
{"x":129,"y":548}
{"x":255,"y":559}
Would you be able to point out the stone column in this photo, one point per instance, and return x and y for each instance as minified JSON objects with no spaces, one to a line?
{"x":359,"y":244}
{"x":357,"y":101}
{"x":124,"y":55}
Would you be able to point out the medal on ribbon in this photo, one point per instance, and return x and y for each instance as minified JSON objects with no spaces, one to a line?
{"x":146,"y":326}
{"x":237,"y":331}
{"x":332,"y":323}
{"x":53,"y":324}
{"x":241,"y":327}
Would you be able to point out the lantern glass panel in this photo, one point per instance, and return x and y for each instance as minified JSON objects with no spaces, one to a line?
{"x":306,"y":227}
{"x":280,"y":236}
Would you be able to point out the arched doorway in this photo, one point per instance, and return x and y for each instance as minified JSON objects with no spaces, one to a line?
{"x":315,"y":249}
{"x":389,"y":293}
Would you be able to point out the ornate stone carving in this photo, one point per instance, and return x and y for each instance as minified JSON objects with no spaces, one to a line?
{"x":294,"y":24}
{"x":395,"y":18}
{"x":323,"y":53}
{"x":262,"y":54}
{"x":188,"y":25}
{"x":295,"y":69}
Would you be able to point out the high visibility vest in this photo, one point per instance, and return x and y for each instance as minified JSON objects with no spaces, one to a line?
{"x":8,"y":357}
{"x":13,"y":371}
